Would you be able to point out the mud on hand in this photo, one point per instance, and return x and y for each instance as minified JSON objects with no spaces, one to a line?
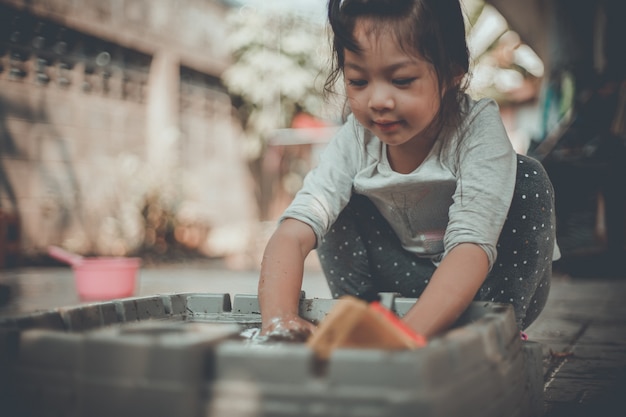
{"x":292,"y":329}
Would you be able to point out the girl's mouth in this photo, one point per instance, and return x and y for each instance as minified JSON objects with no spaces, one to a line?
{"x":387,"y":125}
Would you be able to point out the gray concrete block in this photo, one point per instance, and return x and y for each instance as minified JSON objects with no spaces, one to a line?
{"x":399,"y":383}
{"x":40,"y":320}
{"x":143,"y":308}
{"x":198,"y":304}
{"x":503,"y":317}
{"x":175,"y":304}
{"x":533,"y":358}
{"x":106,"y":355}
{"x":131,"y":366}
{"x":381,"y":368}
{"x":388,"y":300}
{"x":149,"y":368}
{"x":315,"y":309}
{"x":403,"y":305}
{"x":232,"y":398}
{"x":81,"y":318}
{"x":38,"y":396}
{"x":98,"y":398}
{"x":154,"y":350}
{"x":45,"y":374}
{"x":498,"y":332}
{"x":465,"y":394}
{"x":246,"y":304}
{"x":467,"y":350}
{"x":108,"y":314}
{"x":50,"y":350}
{"x":58,"y":400}
{"x":478,"y":309}
{"x":189,"y":356}
{"x":149,"y":308}
{"x":288,"y":363}
{"x":9,"y":343}
{"x":249,"y":303}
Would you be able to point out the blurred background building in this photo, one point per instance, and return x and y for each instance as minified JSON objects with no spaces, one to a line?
{"x":116,"y":133}
{"x":174,"y":128}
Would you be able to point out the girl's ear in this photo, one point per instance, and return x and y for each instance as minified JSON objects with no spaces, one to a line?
{"x":458,"y":78}
{"x":455,"y":82}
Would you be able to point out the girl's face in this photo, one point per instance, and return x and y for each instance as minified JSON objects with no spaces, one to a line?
{"x":393,"y":94}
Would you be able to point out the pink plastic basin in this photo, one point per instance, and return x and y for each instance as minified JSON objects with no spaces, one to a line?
{"x":106,"y":278}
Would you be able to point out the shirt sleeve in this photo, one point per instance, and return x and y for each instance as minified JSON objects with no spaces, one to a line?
{"x":328,"y":187}
{"x":486,"y":171}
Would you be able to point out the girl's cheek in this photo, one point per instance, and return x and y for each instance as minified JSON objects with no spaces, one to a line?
{"x":356,"y":99}
{"x":353,"y":103}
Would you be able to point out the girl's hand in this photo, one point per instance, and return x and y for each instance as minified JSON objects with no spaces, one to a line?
{"x":280,"y":281}
{"x":290,"y":328}
{"x":446,"y":296}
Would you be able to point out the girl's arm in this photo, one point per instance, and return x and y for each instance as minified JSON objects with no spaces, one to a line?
{"x":450,"y":291}
{"x":280,"y":281}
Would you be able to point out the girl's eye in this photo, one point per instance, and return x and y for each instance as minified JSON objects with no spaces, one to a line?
{"x":403,"y":82}
{"x":357,"y":83}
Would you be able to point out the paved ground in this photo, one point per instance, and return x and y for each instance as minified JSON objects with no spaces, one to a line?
{"x":582,"y":329}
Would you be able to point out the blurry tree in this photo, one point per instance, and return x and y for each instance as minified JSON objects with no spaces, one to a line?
{"x":278,"y":71}
{"x":501,"y":62}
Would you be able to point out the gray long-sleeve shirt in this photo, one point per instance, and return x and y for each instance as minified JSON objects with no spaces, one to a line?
{"x":460,"y":193}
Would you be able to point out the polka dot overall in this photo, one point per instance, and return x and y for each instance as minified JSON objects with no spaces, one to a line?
{"x":362,"y":256}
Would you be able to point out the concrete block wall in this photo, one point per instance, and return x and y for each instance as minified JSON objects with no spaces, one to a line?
{"x":194,"y":28}
{"x":75,"y":81}
{"x":63,"y":149}
{"x":184,"y":354}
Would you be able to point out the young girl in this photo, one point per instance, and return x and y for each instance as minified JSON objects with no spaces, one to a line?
{"x":420,"y":192}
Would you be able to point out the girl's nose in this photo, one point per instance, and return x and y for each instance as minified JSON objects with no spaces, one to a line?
{"x":381,"y":98}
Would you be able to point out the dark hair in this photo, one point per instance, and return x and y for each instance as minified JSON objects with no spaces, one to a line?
{"x":433,"y":28}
